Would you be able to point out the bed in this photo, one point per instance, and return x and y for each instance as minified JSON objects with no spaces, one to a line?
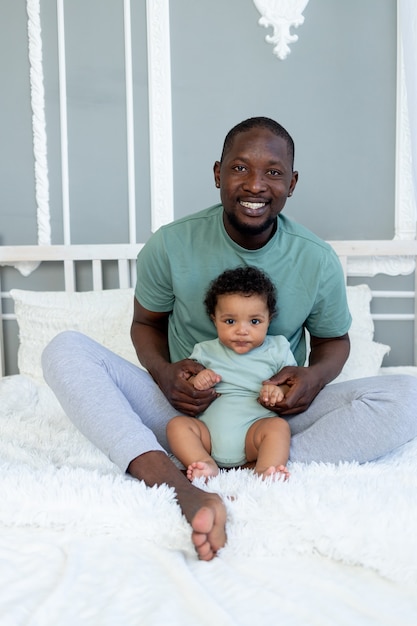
{"x":81,"y":543}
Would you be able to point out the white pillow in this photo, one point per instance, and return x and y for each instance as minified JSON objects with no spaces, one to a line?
{"x":359,"y":301}
{"x":366,"y":355}
{"x":105,"y":316}
{"x":364,"y":360}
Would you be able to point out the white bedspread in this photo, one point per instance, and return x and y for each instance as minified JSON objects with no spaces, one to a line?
{"x":81,"y":544}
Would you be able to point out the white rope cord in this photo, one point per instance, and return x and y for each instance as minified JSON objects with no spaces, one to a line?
{"x":39,"y":131}
{"x":39,"y":134}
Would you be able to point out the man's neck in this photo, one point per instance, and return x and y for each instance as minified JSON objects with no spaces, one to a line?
{"x":250,"y":240}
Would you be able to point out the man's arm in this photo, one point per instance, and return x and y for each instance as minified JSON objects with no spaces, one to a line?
{"x":149,"y":333}
{"x":327,"y":358}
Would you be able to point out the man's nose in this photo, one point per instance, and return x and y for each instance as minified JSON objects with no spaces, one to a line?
{"x":255,"y":181}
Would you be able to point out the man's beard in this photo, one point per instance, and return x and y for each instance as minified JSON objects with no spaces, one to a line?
{"x":248,"y":229}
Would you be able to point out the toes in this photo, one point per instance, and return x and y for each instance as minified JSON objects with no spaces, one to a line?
{"x":208,"y":536}
{"x":202,"y":547}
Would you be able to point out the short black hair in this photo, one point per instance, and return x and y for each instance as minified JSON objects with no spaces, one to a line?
{"x":244,"y":280}
{"x":259,"y":122}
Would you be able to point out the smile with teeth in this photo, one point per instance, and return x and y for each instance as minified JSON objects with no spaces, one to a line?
{"x":253,"y":205}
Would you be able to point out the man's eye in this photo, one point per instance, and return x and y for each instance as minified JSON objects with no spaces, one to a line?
{"x":240,"y":168}
{"x":274,"y":172}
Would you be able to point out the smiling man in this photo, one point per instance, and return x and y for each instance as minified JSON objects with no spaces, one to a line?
{"x":255,"y":176}
{"x":124,"y":410}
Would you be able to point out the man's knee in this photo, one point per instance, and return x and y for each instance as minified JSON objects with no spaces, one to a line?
{"x":62,"y":346}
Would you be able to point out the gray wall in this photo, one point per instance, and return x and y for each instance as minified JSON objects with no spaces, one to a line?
{"x":335,"y":93}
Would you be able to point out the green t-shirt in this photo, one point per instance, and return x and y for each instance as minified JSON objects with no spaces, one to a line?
{"x":179,"y":261}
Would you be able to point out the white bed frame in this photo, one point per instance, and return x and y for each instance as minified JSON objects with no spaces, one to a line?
{"x":392,"y":251}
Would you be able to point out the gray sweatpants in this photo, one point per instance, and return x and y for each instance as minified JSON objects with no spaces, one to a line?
{"x":118,"y":407}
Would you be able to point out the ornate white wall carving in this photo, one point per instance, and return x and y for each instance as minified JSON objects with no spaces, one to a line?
{"x":282,"y":15}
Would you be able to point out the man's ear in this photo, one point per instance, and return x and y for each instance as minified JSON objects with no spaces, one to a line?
{"x":216,"y":171}
{"x":294,"y":181}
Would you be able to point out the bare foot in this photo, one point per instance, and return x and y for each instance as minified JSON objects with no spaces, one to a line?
{"x":204,"y":511}
{"x":202,"y":468}
{"x":206,"y":537}
{"x":278,"y":472}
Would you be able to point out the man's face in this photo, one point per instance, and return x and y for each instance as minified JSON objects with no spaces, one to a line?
{"x":255,"y":179}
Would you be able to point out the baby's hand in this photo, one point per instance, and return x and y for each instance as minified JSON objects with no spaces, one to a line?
{"x":205,"y":379}
{"x":270,"y":395}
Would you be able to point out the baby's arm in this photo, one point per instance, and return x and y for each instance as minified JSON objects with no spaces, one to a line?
{"x":271,"y":394}
{"x":205,"y":379}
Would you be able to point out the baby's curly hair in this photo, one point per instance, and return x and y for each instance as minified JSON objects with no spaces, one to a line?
{"x":247,"y":281}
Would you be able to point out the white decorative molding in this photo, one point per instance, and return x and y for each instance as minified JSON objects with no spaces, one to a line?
{"x":130,"y":125}
{"x":160,"y":112}
{"x":37,"y":95}
{"x":405,"y":209}
{"x":371,"y":266}
{"x":281,"y":15}
{"x":63,"y":117}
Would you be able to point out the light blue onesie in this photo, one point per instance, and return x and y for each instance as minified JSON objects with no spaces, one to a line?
{"x":229,"y":417}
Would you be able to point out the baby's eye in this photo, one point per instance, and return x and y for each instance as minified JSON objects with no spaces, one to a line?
{"x":255,"y":322}
{"x":229,"y":321}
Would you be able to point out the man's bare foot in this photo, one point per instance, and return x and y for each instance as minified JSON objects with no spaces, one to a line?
{"x":206,"y":525}
{"x":278,"y":472}
{"x":202,"y":468}
{"x":204,"y":511}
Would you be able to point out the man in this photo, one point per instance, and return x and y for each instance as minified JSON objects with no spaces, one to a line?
{"x":122,"y":410}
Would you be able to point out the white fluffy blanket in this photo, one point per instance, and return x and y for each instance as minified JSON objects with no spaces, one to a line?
{"x":82,"y":544}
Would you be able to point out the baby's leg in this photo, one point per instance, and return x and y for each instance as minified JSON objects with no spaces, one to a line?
{"x":268,"y":442}
{"x":190,"y":441}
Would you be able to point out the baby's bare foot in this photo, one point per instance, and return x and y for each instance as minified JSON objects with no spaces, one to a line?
{"x":202,"y":468}
{"x":277,"y":472}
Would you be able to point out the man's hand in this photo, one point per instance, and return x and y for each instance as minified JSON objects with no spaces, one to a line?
{"x":327,"y":357}
{"x":174,"y":379}
{"x":149,"y":334}
{"x":303,"y":387}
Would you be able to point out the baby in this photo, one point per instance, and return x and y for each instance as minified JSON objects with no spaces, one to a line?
{"x":236,"y":429}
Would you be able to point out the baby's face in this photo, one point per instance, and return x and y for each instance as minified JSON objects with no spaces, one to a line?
{"x":241,"y":321}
